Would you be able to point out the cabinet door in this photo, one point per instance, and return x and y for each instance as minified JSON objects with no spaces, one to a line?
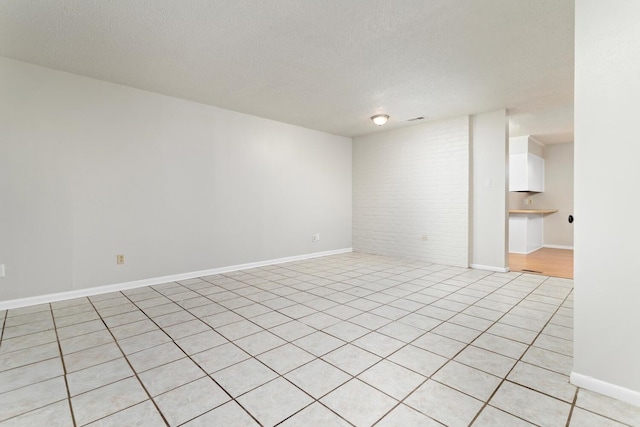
{"x":518,"y":172}
{"x":535,"y":165}
{"x":526,"y":172}
{"x":534,"y":232}
{"x":518,"y":234}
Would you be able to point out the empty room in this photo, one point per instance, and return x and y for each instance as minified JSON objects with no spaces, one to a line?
{"x":292,"y":213}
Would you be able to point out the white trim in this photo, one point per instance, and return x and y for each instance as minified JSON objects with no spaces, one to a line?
{"x":608,"y":389}
{"x":557,"y":247}
{"x":525,"y":253}
{"x":60,"y":296}
{"x":490,"y":268}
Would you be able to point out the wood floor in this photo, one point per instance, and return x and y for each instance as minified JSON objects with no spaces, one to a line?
{"x":546,"y":261}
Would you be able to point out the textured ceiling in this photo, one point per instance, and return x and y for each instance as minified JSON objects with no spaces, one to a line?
{"x":326,"y":65}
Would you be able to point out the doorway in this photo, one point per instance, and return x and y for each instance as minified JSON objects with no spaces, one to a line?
{"x":551,"y":253}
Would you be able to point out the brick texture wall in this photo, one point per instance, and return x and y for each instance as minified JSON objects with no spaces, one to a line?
{"x":409,"y":183}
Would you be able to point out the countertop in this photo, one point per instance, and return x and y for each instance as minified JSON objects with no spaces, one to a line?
{"x":532,"y":211}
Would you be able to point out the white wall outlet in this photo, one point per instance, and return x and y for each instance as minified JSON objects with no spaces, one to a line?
{"x":528,"y":201}
{"x":315,"y":237}
{"x":425,"y":238}
{"x":1,"y":270}
{"x":119,"y":259}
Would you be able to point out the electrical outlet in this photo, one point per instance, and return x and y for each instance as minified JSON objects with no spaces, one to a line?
{"x":315,"y":237}
{"x":529,"y":201}
{"x":1,"y":270}
{"x":119,"y":259}
{"x":424,"y":238}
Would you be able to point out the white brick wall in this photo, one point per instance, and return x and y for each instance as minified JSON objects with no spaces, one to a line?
{"x":413,"y":182}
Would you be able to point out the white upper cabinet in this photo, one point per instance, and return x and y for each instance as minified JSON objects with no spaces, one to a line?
{"x":526,"y":172}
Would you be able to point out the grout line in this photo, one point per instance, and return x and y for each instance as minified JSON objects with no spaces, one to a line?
{"x":430,"y":377}
{"x":520,"y":360}
{"x":381,"y":273}
{"x":206,"y":374}
{"x":68,"y":399}
{"x":135,"y":373}
{"x":64,"y":368}
{"x":278,"y":375}
{"x":484,"y":331}
{"x":573,"y":405}
{"x":4,"y":321}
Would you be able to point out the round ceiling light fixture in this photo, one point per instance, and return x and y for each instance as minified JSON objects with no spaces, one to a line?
{"x":380,"y":119}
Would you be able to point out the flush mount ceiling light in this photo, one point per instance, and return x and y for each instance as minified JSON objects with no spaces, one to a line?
{"x":380,"y":119}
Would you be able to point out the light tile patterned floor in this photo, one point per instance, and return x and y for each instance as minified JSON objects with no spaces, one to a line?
{"x":351,"y":339}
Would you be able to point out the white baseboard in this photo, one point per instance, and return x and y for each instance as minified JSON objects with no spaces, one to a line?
{"x":603,"y":387}
{"x":557,"y":247}
{"x":78,"y":293}
{"x":490,"y":268}
{"x":526,"y":253}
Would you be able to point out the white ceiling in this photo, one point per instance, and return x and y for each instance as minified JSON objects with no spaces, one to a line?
{"x":326,"y":65}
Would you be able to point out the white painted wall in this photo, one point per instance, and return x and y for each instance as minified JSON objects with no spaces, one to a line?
{"x":489,"y":200}
{"x":412,"y":182}
{"x":90,"y":169}
{"x":607,"y":231}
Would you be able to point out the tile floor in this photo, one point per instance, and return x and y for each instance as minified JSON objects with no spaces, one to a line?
{"x":343,"y":340}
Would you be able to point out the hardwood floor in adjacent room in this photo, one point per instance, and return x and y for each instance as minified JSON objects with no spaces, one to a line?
{"x":546,"y":261}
